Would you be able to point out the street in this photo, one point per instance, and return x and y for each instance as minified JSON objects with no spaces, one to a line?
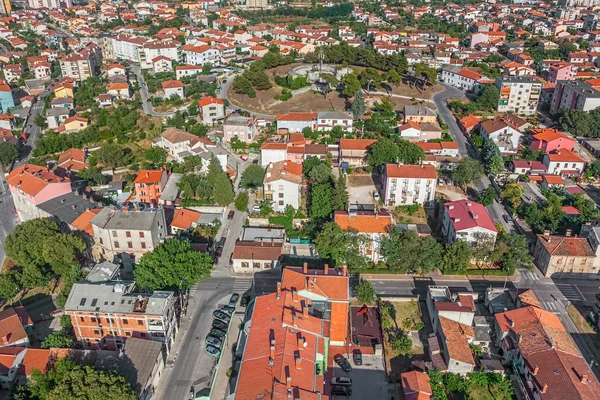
{"x":145,"y":96}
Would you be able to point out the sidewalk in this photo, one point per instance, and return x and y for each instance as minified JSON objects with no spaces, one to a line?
{"x":516,"y":277}
{"x":221,"y":383}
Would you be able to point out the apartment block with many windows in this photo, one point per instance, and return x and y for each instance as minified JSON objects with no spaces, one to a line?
{"x":408,"y":184}
{"x":518,"y":94}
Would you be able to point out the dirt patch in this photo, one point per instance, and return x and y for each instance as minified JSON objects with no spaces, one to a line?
{"x":410,"y":215}
{"x":360,"y":180}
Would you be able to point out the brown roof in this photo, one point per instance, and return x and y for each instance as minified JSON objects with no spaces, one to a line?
{"x":175,"y":135}
{"x":415,"y":385}
{"x":286,"y":170}
{"x":11,"y":327}
{"x":173,"y":83}
{"x":410,"y":171}
{"x":566,"y":246}
{"x":72,"y":159}
{"x":356,"y":144}
{"x":84,"y":221}
{"x":257,"y":251}
{"x":296,"y":116}
{"x":457,"y":340}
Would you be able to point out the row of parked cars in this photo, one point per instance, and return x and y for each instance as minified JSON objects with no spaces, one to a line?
{"x":221,"y":320}
{"x":342,"y":385}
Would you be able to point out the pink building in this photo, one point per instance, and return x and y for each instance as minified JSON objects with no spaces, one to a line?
{"x":562,"y":71}
{"x":31,"y":185}
{"x":549,"y":139}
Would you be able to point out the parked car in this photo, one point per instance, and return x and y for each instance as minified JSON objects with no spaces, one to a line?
{"x":448,"y":181}
{"x":341,"y":380}
{"x":342,"y":362}
{"x":440,"y":181}
{"x":233,"y":300}
{"x":213,"y":351}
{"x":508,"y":218}
{"x":213,"y":341}
{"x":217,"y":333}
{"x":219,"y":324}
{"x":219,"y":252}
{"x":230,"y":215}
{"x":221,"y":316}
{"x":340,"y":390}
{"x":375,"y":196}
{"x":244,"y":158}
{"x":256,"y":208}
{"x":228,"y":310}
{"x":245,"y":300}
{"x":357,"y":357}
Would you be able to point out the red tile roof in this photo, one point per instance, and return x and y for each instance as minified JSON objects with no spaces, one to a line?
{"x":364,"y":221}
{"x":84,"y":221}
{"x":457,"y":340}
{"x":466,"y":214}
{"x":356,"y":144}
{"x":333,"y":285}
{"x":564,"y":155}
{"x":415,"y":385}
{"x":11,"y":327}
{"x":149,"y":176}
{"x":73,"y":159}
{"x":209,"y":100}
{"x":549,"y":134}
{"x":566,"y":245}
{"x":422,"y":171}
{"x":257,"y":251}
{"x":32,"y":179}
{"x":184,"y":218}
{"x":296,"y":116}
{"x":172,"y":84}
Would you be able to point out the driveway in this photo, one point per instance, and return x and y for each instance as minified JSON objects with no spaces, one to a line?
{"x":368,"y":380}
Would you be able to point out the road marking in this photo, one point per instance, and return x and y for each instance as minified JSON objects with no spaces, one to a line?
{"x":580,"y":294}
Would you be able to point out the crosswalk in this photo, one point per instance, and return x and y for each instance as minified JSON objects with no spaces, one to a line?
{"x":240,"y":285}
{"x":529,"y":276}
{"x":569,"y":291}
{"x":550,"y":306}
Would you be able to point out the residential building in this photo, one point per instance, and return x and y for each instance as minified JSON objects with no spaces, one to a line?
{"x":201,"y":55}
{"x":72,"y":160}
{"x":574,"y":95}
{"x":240,"y":127}
{"x":81,"y":65}
{"x":31,"y":185}
{"x":327,"y":120}
{"x":408,"y":184}
{"x":179,"y":144}
{"x":5,"y":7}
{"x":416,"y":386}
{"x":105,"y":314}
{"x":6,"y":97}
{"x":187,"y":70}
{"x":56,"y":117}
{"x":415,"y":131}
{"x":12,"y":72}
{"x":256,"y":4}
{"x":562,"y":71}
{"x":373,"y":225}
{"x":295,"y":122}
{"x":12,"y":359}
{"x":462,"y":78}
{"x":211,"y":109}
{"x":124,"y":230}
{"x":116,"y":70}
{"x":518,"y":94}
{"x":564,"y":162}
{"x":282,"y":184}
{"x":506,"y":136}
{"x":173,"y":89}
{"x":252,"y":257}
{"x":149,"y":185}
{"x":353,"y":152}
{"x":73,"y":124}
{"x":63,"y":90}
{"x":550,"y":140}
{"x":145,"y":360}
{"x":420,"y":114}
{"x":554,"y":254}
{"x":184,"y":220}
{"x":119,"y":90}
{"x":170,"y":49}
{"x":272,"y":152}
{"x":469,"y":221}
{"x":15,"y":327}
{"x":162,"y":64}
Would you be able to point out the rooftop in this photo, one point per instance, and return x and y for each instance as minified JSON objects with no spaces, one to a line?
{"x":68,"y":207}
{"x":364,"y":221}
{"x":135,"y":219}
{"x":466,"y":214}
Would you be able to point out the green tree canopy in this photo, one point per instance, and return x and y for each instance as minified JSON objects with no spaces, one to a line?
{"x":365,"y":292}
{"x":86,"y":383}
{"x":351,"y":85}
{"x":172,"y":265}
{"x":382,"y":152}
{"x":405,"y":251}
{"x":241,"y":201}
{"x":156,"y":155}
{"x":492,"y":158}
{"x":113,"y":155}
{"x":457,"y":257}
{"x":469,"y":172}
{"x":340,"y":193}
{"x":410,"y":153}
{"x":358,"y":105}
{"x":8,"y":153}
{"x":253,"y":176}
{"x":57,"y":339}
{"x":339,"y":246}
{"x":320,"y":206}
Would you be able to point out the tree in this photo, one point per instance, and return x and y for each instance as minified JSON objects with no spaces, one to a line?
{"x":482,"y":246}
{"x":410,"y":153}
{"x":87,"y":383}
{"x":339,"y":246}
{"x":405,"y":251}
{"x":223,"y":190}
{"x":488,"y":98}
{"x":586,"y":207}
{"x":93,"y":176}
{"x":402,"y":344}
{"x":512,"y":193}
{"x":469,"y":172}
{"x":365,"y":292}
{"x":310,"y":163}
{"x":487,"y":197}
{"x":59,"y":339}
{"x":8,"y":153}
{"x":492,"y":158}
{"x":172,"y":265}
{"x":156,"y":155}
{"x":320,"y":201}
{"x":382,"y":152}
{"x":253,"y":176}
{"x":112,"y":155}
{"x":10,"y":283}
{"x":457,"y":257}
{"x":358,"y":105}
{"x":393,"y":78}
{"x":320,"y":174}
{"x":593,"y":170}
{"x":242,"y":85}
{"x":512,"y":252}
{"x":340,"y":194}
{"x":241,"y":201}
{"x":351,"y":85}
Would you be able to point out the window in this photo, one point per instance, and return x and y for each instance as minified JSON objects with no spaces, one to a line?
{"x":281,"y":187}
{"x":129,"y":245}
{"x":256,"y":265}
{"x":127,"y":333}
{"x":281,"y":202}
{"x":114,"y":233}
{"x":281,"y":195}
{"x":125,"y":321}
{"x":93,"y":319}
{"x":245,"y":265}
{"x":116,"y":244}
{"x":143,"y":245}
{"x":128,"y":234}
{"x":141,"y":234}
{"x":101,"y":241}
{"x":140,"y":322}
{"x":82,"y":319}
{"x":96,"y":332}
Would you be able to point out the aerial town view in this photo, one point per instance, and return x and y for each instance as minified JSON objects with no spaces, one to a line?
{"x":284,"y":199}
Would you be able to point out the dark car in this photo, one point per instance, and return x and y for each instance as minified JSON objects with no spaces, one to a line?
{"x":245,"y":300}
{"x":339,"y":390}
{"x":148,"y":100}
{"x":221,"y":316}
{"x":508,"y":218}
{"x":342,"y":362}
{"x":216,"y":333}
{"x":219,"y":324}
{"x":233,"y":300}
{"x":231,"y":214}
{"x":357,"y":357}
{"x":219,"y":252}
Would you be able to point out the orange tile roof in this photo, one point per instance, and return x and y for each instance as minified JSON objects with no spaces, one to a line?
{"x":549,"y":134}
{"x":171,"y":84}
{"x":457,"y":340}
{"x":73,"y":159}
{"x":332,"y":285}
{"x":364,"y":221}
{"x":149,"y":176}
{"x":118,"y":86}
{"x":84,"y":221}
{"x":415,"y":385}
{"x":209,"y":100}
{"x":115,"y":66}
{"x":257,"y":251}
{"x":184,"y":218}
{"x":296,"y":116}
{"x":470,"y":121}
{"x":410,"y":124}
{"x":356,"y":144}
{"x":285,"y":170}
{"x":422,"y":171}
{"x":11,"y":327}
{"x":32,"y":179}
{"x":566,"y":245}
{"x":8,"y":356}
{"x":273,"y":146}
{"x":564,"y":155}
{"x":553,"y":179}
{"x":529,"y":298}
{"x":469,"y":73}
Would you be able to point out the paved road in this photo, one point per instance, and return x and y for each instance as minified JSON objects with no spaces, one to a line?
{"x":145,"y":96}
{"x":8,"y":220}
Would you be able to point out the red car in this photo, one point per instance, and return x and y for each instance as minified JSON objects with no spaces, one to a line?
{"x":244,"y":158}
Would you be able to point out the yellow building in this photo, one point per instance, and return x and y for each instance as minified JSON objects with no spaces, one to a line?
{"x":190,"y":5}
{"x":5,"y":7}
{"x":63,"y":90}
{"x":74,"y":124}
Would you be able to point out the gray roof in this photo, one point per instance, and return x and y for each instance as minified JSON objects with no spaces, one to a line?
{"x":68,"y":207}
{"x":236,"y":120}
{"x":518,"y":79}
{"x":581,"y":88}
{"x":103,"y":272}
{"x":61,"y":101}
{"x":209,"y":218}
{"x":116,"y":297}
{"x":140,"y":356}
{"x":57,"y":112}
{"x":453,"y":68}
{"x":418,"y":109}
{"x":171,"y":190}
{"x":334,"y":115}
{"x":254,"y":233}
{"x":119,"y":219}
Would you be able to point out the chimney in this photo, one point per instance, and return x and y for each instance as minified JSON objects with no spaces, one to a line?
{"x":536,"y":370}
{"x":272,"y":352}
{"x":584,"y":378}
{"x":5,"y":340}
{"x":326,"y":269}
{"x":546,"y":233}
{"x":305,"y":268}
{"x":278,"y":290}
{"x":294,"y":296}
{"x":298,"y":361}
{"x":300,"y":343}
{"x":545,"y":388}
{"x":345,"y":270}
{"x":568,"y":232}
{"x":512,"y":323}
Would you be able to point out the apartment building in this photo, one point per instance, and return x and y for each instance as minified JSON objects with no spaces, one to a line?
{"x":518,"y":94}
{"x":408,"y":184}
{"x":574,"y":95}
{"x":5,"y":7}
{"x":561,"y":71}
{"x":128,"y":47}
{"x":502,"y":132}
{"x":149,"y":185}
{"x":462,"y":78}
{"x":295,"y":122}
{"x":83,"y":64}
{"x":105,"y":314}
{"x":467,"y":220}
{"x":211,"y":109}
{"x":374,"y":226}
{"x":565,"y":254}
{"x":282,"y":184}
{"x":128,"y":230}
{"x":50,"y":4}
{"x":150,"y":50}
{"x":256,"y":4}
{"x":327,"y":120}
{"x":201,"y":55}
{"x":240,"y":127}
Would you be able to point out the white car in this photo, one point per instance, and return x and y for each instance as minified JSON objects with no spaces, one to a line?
{"x":376,"y":196}
{"x":256,"y":208}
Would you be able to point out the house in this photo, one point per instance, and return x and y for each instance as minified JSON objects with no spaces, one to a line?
{"x":184,"y":220}
{"x":416,"y":386}
{"x":467,"y":220}
{"x":162,"y":64}
{"x":408,"y":184}
{"x":554,"y":254}
{"x":63,"y":102}
{"x":106,"y":314}
{"x":549,"y":140}
{"x":414,"y":131}
{"x":11,"y":359}
{"x":462,"y":78}
{"x":295,"y":122}
{"x":282,"y":184}
{"x":240,"y":127}
{"x":72,"y":160}
{"x":63,"y":89}
{"x":149,"y":185}
{"x":42,"y":70}
{"x":564,"y":162}
{"x":119,"y":90}
{"x":562,"y":71}
{"x":116,"y":69}
{"x":56,"y":117}
{"x":549,"y":181}
{"x":468,"y":123}
{"x":105,"y":100}
{"x":31,"y":185}
{"x":124,"y":230}
{"x":145,"y":361}
{"x":504,"y":134}
{"x":181,"y":144}
{"x":73,"y":124}
{"x":271,"y":152}
{"x":15,"y":327}
{"x":187,"y":70}
{"x":523,"y":167}
{"x":420,"y":114}
{"x":6,"y":97}
{"x":211,"y":109}
{"x":327,"y":120}
{"x":574,"y":95}
{"x":172,"y":89}
{"x":373,"y":225}
{"x":252,"y":257}
{"x":353,"y":152}
{"x":7,"y":122}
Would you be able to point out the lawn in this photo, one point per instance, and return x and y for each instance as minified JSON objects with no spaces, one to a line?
{"x":410,"y":215}
{"x":407,"y":313}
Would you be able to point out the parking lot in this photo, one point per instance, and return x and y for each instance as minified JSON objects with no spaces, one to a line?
{"x":368,"y":380}
{"x":361,"y":189}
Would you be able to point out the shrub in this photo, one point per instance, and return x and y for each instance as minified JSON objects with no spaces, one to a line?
{"x":365,"y":292}
{"x":401,"y":344}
